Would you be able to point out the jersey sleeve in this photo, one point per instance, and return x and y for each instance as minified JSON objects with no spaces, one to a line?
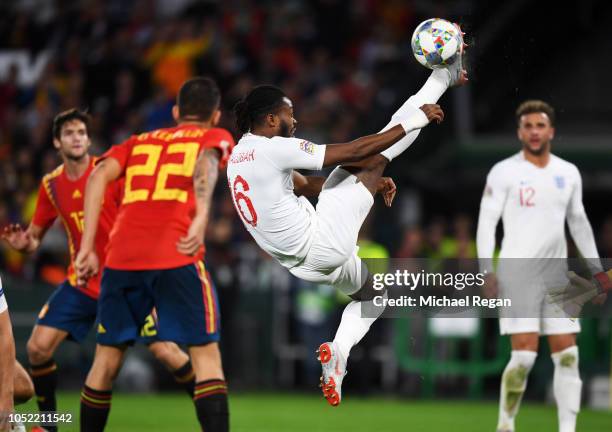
{"x":220,"y":139}
{"x":491,"y":207}
{"x":119,"y":152}
{"x":295,"y":153}
{"x":45,"y":212}
{"x":580,"y":227}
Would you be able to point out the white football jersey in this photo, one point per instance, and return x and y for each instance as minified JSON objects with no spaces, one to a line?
{"x":534,"y":204}
{"x":3,"y":305}
{"x":261,"y":183}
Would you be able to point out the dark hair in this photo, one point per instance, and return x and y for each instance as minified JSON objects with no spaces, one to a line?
{"x":535,"y":106}
{"x":261,"y":101}
{"x":66,"y":116}
{"x":198,"y":98}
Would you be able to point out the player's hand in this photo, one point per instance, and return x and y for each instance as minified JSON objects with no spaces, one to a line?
{"x":194,"y":240}
{"x":433,"y":112}
{"x":490,"y":288}
{"x":386,"y":187}
{"x":86,"y":266}
{"x":16,"y":237}
{"x":572,"y":297}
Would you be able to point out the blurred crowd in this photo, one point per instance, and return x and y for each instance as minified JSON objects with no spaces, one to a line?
{"x":124,"y":62}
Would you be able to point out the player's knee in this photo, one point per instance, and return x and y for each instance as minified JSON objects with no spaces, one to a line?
{"x":24,"y":388}
{"x":525,"y":342}
{"x":367,"y":291}
{"x":38,"y":352}
{"x":105,"y":369}
{"x":206,"y":361}
{"x":163,"y":352}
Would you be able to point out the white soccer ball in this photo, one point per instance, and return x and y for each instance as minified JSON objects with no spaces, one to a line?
{"x":436,"y":43}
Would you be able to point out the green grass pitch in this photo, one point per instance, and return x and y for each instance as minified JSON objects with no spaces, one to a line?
{"x":270,"y":412}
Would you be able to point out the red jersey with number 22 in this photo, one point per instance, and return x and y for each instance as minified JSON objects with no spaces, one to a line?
{"x":58,"y":196}
{"x":159,"y":204}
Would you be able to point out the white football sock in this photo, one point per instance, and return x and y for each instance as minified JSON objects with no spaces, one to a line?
{"x":567,"y":387}
{"x":432,"y":90}
{"x":352,"y":328}
{"x":513,"y":384}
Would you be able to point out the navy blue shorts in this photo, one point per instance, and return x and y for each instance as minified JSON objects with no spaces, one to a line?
{"x":184,"y":299}
{"x":71,"y":310}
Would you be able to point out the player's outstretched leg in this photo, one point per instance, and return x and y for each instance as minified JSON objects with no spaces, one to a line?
{"x":438,"y":82}
{"x":567,"y":387}
{"x":40,"y":347}
{"x":514,"y":382}
{"x":97,"y":391}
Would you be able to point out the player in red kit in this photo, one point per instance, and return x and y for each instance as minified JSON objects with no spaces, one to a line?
{"x":71,"y":310}
{"x":156,"y":249}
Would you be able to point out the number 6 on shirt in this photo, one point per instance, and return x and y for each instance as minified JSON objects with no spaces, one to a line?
{"x":240,"y":196}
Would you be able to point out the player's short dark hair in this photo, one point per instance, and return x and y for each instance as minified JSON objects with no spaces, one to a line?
{"x":67,"y":116}
{"x":259,"y":102}
{"x":535,"y":106}
{"x":198,"y":98}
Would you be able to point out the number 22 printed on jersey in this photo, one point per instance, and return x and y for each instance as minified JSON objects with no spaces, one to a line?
{"x":148,"y":168}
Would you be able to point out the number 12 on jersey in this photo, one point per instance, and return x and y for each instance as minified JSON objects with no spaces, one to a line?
{"x":526,"y":195}
{"x":242,"y":202}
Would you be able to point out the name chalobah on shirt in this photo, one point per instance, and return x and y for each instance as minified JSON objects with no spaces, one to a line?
{"x":442,"y":301}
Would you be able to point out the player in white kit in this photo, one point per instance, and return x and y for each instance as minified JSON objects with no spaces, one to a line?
{"x":319,"y":244}
{"x":534,"y":192}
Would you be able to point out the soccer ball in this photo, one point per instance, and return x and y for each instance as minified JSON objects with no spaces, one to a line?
{"x":436,"y":43}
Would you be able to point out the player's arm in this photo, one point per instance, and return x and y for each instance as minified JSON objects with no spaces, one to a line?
{"x":309,"y":186}
{"x":491,"y":207}
{"x":580,"y":227}
{"x":369,"y":145}
{"x":205,"y":178}
{"x":7,"y":366}
{"x":582,"y":233}
{"x":27,"y":241}
{"x":45,"y":213}
{"x":105,"y":172}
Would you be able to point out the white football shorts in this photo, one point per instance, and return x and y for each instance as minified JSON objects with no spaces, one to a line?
{"x":343,"y":205}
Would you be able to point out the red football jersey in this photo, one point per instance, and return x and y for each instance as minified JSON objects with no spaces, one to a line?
{"x":60,"y":196}
{"x":158,"y":204}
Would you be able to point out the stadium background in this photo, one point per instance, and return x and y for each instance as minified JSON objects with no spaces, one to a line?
{"x":347,"y":66}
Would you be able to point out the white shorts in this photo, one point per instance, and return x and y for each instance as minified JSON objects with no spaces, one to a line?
{"x":343,"y":205}
{"x":526,"y":283}
{"x":543,"y":326}
{"x":3,"y":304}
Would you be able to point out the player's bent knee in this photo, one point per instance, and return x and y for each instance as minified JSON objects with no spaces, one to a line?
{"x":23,"y":386}
{"x":366,"y":293}
{"x":38,"y":352}
{"x":168,"y":353}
